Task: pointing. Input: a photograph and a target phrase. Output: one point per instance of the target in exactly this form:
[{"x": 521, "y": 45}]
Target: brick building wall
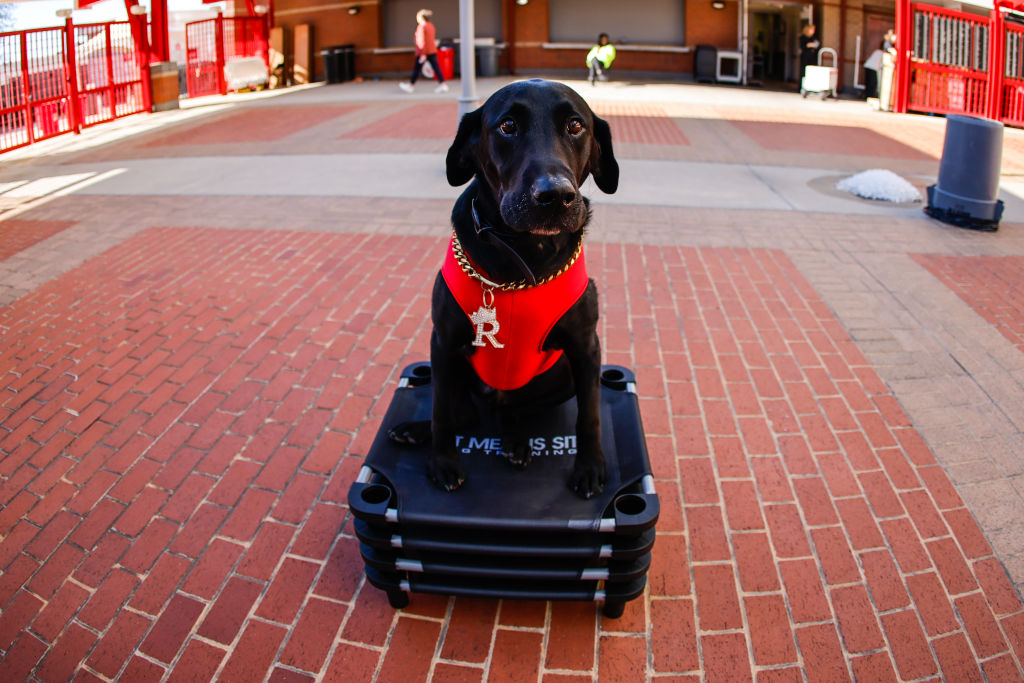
[{"x": 332, "y": 24}]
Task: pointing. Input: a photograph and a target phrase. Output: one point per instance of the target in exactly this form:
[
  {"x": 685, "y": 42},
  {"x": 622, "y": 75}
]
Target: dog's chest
[{"x": 511, "y": 326}]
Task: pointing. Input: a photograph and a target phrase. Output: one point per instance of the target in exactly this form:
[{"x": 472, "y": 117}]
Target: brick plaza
[{"x": 203, "y": 319}]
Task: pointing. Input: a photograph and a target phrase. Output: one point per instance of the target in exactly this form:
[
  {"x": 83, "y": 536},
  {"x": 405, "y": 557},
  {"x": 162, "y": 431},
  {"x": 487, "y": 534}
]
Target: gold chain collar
[{"x": 468, "y": 269}]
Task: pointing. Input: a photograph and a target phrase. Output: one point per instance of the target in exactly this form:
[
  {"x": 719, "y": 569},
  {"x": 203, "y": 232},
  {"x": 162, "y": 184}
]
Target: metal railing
[{"x": 58, "y": 80}]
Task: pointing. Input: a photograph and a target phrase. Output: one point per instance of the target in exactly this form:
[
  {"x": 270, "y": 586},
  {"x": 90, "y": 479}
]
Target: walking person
[{"x": 426, "y": 51}]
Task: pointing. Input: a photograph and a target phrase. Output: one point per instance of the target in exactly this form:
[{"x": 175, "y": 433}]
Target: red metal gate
[
  {"x": 34, "y": 100},
  {"x": 109, "y": 72},
  {"x": 1012, "y": 104},
  {"x": 212, "y": 43},
  {"x": 949, "y": 63},
  {"x": 204, "y": 41}
]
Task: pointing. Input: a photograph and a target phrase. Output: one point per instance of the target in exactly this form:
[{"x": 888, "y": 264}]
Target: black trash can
[
  {"x": 331, "y": 66},
  {"x": 968, "y": 183},
  {"x": 487, "y": 60},
  {"x": 458, "y": 60},
  {"x": 346, "y": 57},
  {"x": 705, "y": 63}
]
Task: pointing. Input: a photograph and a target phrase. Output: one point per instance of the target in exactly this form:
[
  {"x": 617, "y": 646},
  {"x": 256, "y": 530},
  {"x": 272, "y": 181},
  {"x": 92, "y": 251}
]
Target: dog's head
[{"x": 531, "y": 145}]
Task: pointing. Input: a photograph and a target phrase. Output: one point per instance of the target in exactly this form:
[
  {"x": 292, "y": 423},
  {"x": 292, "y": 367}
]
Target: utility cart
[{"x": 821, "y": 79}]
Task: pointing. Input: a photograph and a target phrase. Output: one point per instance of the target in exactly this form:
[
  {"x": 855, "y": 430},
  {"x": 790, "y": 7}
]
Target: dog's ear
[
  {"x": 460, "y": 163},
  {"x": 603, "y": 166}
]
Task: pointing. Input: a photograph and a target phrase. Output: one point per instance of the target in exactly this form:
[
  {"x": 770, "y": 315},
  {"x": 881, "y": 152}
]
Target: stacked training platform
[{"x": 509, "y": 533}]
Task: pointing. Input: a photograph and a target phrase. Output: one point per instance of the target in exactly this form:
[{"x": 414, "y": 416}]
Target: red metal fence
[
  {"x": 948, "y": 70},
  {"x": 961, "y": 63},
  {"x": 213, "y": 43},
  {"x": 1012, "y": 104},
  {"x": 56, "y": 80},
  {"x": 35, "y": 103},
  {"x": 110, "y": 82}
]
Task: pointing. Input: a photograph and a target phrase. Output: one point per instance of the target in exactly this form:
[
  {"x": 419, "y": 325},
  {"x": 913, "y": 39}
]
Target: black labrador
[{"x": 516, "y": 258}]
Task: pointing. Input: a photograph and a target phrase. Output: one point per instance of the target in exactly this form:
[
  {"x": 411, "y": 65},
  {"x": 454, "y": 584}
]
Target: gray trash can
[
  {"x": 705, "y": 64},
  {"x": 968, "y": 183},
  {"x": 487, "y": 60}
]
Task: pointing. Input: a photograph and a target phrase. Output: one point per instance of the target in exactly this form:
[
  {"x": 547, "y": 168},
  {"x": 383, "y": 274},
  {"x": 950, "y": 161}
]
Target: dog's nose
[{"x": 552, "y": 190}]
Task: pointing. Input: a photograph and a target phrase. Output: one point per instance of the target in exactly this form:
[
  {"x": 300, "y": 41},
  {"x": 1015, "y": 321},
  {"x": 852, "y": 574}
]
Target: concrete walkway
[{"x": 204, "y": 313}]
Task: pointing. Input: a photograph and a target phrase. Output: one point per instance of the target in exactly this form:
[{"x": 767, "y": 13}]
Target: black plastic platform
[{"x": 507, "y": 532}]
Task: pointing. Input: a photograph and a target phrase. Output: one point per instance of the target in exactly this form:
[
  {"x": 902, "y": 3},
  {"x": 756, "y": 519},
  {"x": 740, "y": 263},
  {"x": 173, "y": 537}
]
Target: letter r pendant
[{"x": 486, "y": 321}]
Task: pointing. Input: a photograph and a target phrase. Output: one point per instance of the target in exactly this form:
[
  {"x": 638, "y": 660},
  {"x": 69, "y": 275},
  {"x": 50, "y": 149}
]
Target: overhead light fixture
[
  {"x": 522, "y": 2},
  {"x": 137, "y": 10},
  {"x": 353, "y": 10},
  {"x": 260, "y": 9},
  {"x": 717, "y": 4}
]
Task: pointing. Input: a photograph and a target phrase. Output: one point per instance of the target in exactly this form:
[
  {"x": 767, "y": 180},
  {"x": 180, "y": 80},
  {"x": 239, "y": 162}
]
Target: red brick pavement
[
  {"x": 992, "y": 285},
  {"x": 649, "y": 130},
  {"x": 17, "y": 235},
  {"x": 259, "y": 124},
  {"x": 418, "y": 121},
  {"x": 647, "y": 125},
  {"x": 641, "y": 123},
  {"x": 183, "y": 414},
  {"x": 812, "y": 137}
]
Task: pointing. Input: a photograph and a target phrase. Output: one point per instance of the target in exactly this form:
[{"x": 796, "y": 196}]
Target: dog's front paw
[
  {"x": 587, "y": 478},
  {"x": 446, "y": 473},
  {"x": 518, "y": 455},
  {"x": 416, "y": 433}
]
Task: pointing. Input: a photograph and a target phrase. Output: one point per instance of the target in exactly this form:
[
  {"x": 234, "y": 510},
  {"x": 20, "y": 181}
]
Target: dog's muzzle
[{"x": 551, "y": 204}]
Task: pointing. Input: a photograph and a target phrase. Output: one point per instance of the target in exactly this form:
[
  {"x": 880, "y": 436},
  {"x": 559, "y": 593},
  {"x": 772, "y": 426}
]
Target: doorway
[
  {"x": 773, "y": 37},
  {"x": 876, "y": 23}
]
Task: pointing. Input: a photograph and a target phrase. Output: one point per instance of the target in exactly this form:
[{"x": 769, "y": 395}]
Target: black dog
[{"x": 515, "y": 316}]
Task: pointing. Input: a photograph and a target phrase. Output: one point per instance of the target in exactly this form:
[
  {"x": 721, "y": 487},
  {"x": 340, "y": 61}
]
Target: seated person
[{"x": 600, "y": 58}]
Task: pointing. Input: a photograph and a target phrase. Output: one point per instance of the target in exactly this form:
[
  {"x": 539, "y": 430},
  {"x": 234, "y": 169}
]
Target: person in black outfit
[{"x": 809, "y": 45}]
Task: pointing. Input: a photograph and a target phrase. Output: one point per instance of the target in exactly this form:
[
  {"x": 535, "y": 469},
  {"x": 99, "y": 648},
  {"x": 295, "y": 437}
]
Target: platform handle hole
[
  {"x": 376, "y": 494},
  {"x": 613, "y": 375},
  {"x": 613, "y": 378},
  {"x": 419, "y": 375},
  {"x": 630, "y": 504}
]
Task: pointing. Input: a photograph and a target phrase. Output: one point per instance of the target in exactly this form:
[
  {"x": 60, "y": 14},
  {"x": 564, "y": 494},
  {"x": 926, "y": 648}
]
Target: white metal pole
[
  {"x": 467, "y": 58},
  {"x": 856, "y": 67},
  {"x": 744, "y": 31}
]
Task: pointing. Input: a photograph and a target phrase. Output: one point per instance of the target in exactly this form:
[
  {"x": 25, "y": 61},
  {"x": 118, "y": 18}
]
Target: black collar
[{"x": 490, "y": 235}]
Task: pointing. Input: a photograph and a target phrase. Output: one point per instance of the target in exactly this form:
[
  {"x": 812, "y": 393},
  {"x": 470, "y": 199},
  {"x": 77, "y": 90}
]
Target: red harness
[{"x": 523, "y": 318}]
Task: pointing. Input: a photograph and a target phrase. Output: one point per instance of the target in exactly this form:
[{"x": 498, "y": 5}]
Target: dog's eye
[
  {"x": 507, "y": 127},
  {"x": 574, "y": 126}
]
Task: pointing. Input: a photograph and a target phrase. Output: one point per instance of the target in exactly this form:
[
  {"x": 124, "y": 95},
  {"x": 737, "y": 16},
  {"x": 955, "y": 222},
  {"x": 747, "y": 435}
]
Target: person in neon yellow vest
[{"x": 600, "y": 58}]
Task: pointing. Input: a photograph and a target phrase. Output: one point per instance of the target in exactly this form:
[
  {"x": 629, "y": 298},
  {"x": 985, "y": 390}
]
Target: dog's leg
[
  {"x": 588, "y": 474},
  {"x": 515, "y": 448},
  {"x": 576, "y": 334},
  {"x": 450, "y": 393}
]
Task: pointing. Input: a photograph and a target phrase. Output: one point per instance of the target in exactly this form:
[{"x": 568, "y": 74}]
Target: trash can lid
[{"x": 974, "y": 121}]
